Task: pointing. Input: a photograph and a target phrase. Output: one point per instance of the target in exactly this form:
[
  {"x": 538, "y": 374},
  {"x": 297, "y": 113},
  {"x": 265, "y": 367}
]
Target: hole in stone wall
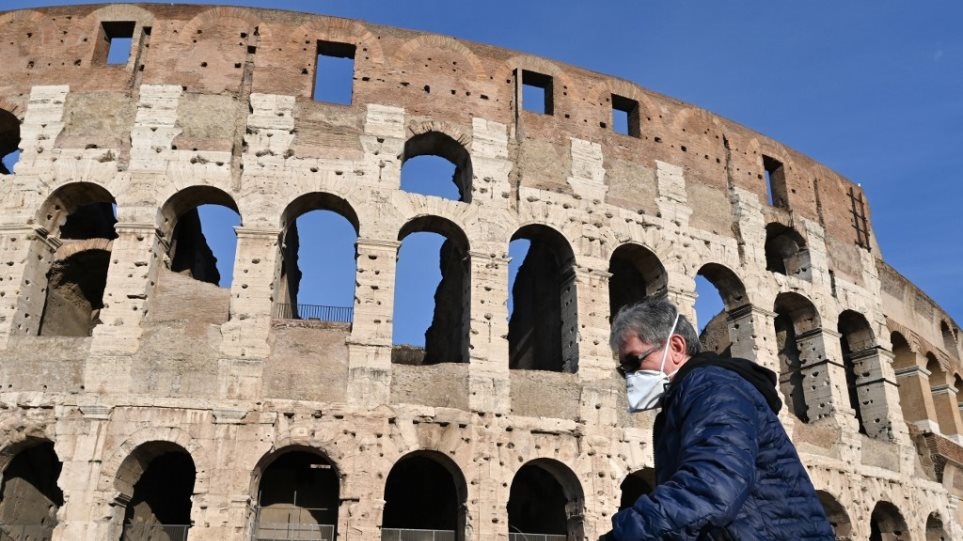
[
  {"x": 543, "y": 325},
  {"x": 887, "y": 524},
  {"x": 713, "y": 324},
  {"x": 422, "y": 493},
  {"x": 431, "y": 307},
  {"x": 721, "y": 307},
  {"x": 775, "y": 175},
  {"x": 637, "y": 274},
  {"x": 9, "y": 141},
  {"x": 545, "y": 499},
  {"x": 161, "y": 500},
  {"x": 625, "y": 116},
  {"x": 949, "y": 341},
  {"x": 436, "y": 164},
  {"x": 202, "y": 245},
  {"x": 786, "y": 251},
  {"x": 119, "y": 39},
  {"x": 333, "y": 72},
  {"x": 298, "y": 494},
  {"x": 29, "y": 496},
  {"x": 537, "y": 94}
]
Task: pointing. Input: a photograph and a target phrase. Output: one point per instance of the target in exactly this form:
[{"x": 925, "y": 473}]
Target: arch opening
[
  {"x": 721, "y": 300},
  {"x": 838, "y": 518},
  {"x": 546, "y": 500},
  {"x": 298, "y": 498},
  {"x": 425, "y": 491},
  {"x": 198, "y": 223},
  {"x": 159, "y": 505},
  {"x": 797, "y": 328},
  {"x": 29, "y": 495},
  {"x": 949, "y": 341},
  {"x": 786, "y": 251},
  {"x": 637, "y": 274},
  {"x": 9, "y": 141},
  {"x": 431, "y": 157},
  {"x": 858, "y": 345},
  {"x": 542, "y": 324},
  {"x": 934, "y": 528},
  {"x": 318, "y": 260},
  {"x": 887, "y": 524},
  {"x": 433, "y": 263}
]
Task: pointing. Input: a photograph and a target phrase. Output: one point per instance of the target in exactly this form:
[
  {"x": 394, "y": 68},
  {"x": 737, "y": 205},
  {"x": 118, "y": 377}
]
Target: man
[{"x": 725, "y": 468}]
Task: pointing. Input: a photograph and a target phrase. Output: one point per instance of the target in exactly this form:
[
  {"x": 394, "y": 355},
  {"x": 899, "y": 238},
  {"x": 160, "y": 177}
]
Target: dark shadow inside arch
[
  {"x": 414, "y": 176},
  {"x": 318, "y": 260},
  {"x": 856, "y": 341},
  {"x": 79, "y": 211},
  {"x": 637, "y": 274},
  {"x": 433, "y": 256},
  {"x": 635, "y": 485},
  {"x": 543, "y": 325},
  {"x": 934, "y": 528},
  {"x": 425, "y": 491},
  {"x": 887, "y": 523},
  {"x": 838, "y": 518},
  {"x": 198, "y": 223},
  {"x": 545, "y": 498},
  {"x": 9, "y": 141},
  {"x": 786, "y": 251},
  {"x": 75, "y": 294},
  {"x": 796, "y": 322},
  {"x": 298, "y": 497},
  {"x": 29, "y": 495},
  {"x": 160, "y": 504}
]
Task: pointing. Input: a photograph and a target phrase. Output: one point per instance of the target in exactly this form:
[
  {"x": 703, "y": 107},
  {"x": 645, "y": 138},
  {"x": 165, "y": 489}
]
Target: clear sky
[{"x": 873, "y": 90}]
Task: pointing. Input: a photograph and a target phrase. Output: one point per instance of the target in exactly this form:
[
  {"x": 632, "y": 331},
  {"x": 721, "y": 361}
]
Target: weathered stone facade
[{"x": 114, "y": 362}]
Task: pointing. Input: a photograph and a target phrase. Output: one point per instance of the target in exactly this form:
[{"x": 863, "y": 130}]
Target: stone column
[
  {"x": 824, "y": 379},
  {"x": 245, "y": 335},
  {"x": 27, "y": 254},
  {"x": 916, "y": 399},
  {"x": 600, "y": 390},
  {"x": 745, "y": 324},
  {"x": 488, "y": 375},
  {"x": 369, "y": 346},
  {"x": 879, "y": 395}
]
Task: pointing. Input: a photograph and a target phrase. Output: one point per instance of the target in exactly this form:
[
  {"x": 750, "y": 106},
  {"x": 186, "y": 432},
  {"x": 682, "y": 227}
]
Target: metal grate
[
  {"x": 403, "y": 534},
  {"x": 317, "y": 312},
  {"x": 519, "y": 536},
  {"x": 292, "y": 531}
]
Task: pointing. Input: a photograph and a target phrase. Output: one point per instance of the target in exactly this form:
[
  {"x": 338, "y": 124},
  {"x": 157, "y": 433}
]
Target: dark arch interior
[
  {"x": 435, "y": 143},
  {"x": 934, "y": 528},
  {"x": 542, "y": 329},
  {"x": 75, "y": 294},
  {"x": 80, "y": 211},
  {"x": 9, "y": 138},
  {"x": 784, "y": 249},
  {"x": 837, "y": 515},
  {"x": 422, "y": 494},
  {"x": 536, "y": 503},
  {"x": 162, "y": 496},
  {"x": 298, "y": 494},
  {"x": 29, "y": 495},
  {"x": 636, "y": 274},
  {"x": 887, "y": 524}
]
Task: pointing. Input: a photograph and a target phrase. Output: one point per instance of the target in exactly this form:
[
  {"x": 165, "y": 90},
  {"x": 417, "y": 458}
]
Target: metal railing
[
  {"x": 155, "y": 532},
  {"x": 318, "y": 312},
  {"x": 519, "y": 536},
  {"x": 293, "y": 531},
  {"x": 25, "y": 532},
  {"x": 404, "y": 534}
]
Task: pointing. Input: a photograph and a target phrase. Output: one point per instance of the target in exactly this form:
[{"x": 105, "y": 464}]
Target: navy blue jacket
[{"x": 724, "y": 465}]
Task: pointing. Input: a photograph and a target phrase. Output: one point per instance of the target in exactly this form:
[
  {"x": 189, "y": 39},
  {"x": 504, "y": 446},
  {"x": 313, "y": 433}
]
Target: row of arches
[
  {"x": 929, "y": 389},
  {"x": 297, "y": 496}
]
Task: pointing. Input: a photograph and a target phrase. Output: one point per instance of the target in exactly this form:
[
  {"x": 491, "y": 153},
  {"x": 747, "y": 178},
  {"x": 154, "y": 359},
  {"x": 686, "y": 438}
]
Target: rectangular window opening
[
  {"x": 537, "y": 93},
  {"x": 334, "y": 72},
  {"x": 625, "y": 116},
  {"x": 119, "y": 38},
  {"x": 775, "y": 174}
]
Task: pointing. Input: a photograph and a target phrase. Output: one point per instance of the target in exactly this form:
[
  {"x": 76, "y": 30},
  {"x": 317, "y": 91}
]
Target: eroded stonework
[{"x": 118, "y": 355}]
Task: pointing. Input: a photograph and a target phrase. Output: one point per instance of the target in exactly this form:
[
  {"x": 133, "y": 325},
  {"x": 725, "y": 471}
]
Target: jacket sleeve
[{"x": 716, "y": 467}]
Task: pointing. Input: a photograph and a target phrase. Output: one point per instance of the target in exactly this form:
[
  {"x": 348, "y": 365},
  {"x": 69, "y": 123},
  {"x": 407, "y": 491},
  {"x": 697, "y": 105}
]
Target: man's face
[{"x": 634, "y": 354}]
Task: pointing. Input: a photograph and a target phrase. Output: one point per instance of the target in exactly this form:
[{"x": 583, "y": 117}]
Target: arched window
[
  {"x": 720, "y": 298},
  {"x": 837, "y": 515},
  {"x": 934, "y": 528},
  {"x": 9, "y": 141},
  {"x": 797, "y": 323},
  {"x": 425, "y": 491},
  {"x": 297, "y": 497},
  {"x": 858, "y": 346},
  {"x": 435, "y": 164},
  {"x": 542, "y": 326},
  {"x": 158, "y": 478},
  {"x": 318, "y": 259},
  {"x": 635, "y": 485},
  {"x": 913, "y": 384},
  {"x": 432, "y": 293},
  {"x": 545, "y": 500},
  {"x": 29, "y": 495},
  {"x": 949, "y": 341},
  {"x": 887, "y": 524},
  {"x": 786, "y": 251},
  {"x": 198, "y": 224},
  {"x": 637, "y": 274}
]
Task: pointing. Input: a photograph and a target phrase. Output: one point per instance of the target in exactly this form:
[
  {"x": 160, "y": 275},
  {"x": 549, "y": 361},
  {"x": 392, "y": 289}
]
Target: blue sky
[{"x": 873, "y": 90}]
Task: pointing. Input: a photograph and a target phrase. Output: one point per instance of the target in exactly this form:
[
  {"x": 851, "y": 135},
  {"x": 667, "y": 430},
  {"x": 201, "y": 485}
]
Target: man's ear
[{"x": 678, "y": 347}]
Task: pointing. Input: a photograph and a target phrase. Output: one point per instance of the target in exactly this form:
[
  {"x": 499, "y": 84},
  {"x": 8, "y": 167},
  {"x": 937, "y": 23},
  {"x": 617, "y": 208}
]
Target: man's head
[{"x": 639, "y": 334}]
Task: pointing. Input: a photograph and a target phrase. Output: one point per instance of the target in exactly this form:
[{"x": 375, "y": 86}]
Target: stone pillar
[
  {"x": 947, "y": 411},
  {"x": 369, "y": 347},
  {"x": 488, "y": 375},
  {"x": 245, "y": 334},
  {"x": 26, "y": 254},
  {"x": 600, "y": 391},
  {"x": 916, "y": 399},
  {"x": 745, "y": 324},
  {"x": 879, "y": 395},
  {"x": 824, "y": 380}
]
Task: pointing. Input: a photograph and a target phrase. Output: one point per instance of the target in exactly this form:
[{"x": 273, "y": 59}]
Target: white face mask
[{"x": 644, "y": 388}]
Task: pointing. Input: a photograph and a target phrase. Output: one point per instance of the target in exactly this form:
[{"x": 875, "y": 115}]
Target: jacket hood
[{"x": 763, "y": 379}]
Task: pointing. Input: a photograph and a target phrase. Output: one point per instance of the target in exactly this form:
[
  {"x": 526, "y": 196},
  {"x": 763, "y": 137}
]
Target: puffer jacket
[{"x": 724, "y": 465}]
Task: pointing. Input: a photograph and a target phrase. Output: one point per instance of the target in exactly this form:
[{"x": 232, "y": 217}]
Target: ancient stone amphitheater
[{"x": 139, "y": 401}]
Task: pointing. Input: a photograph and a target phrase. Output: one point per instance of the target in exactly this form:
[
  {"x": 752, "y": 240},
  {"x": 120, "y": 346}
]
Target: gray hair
[{"x": 651, "y": 320}]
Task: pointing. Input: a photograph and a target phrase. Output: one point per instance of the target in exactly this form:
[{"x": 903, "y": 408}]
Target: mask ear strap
[{"x": 665, "y": 352}]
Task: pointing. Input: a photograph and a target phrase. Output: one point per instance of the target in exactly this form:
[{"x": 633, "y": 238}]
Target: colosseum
[{"x": 140, "y": 400}]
